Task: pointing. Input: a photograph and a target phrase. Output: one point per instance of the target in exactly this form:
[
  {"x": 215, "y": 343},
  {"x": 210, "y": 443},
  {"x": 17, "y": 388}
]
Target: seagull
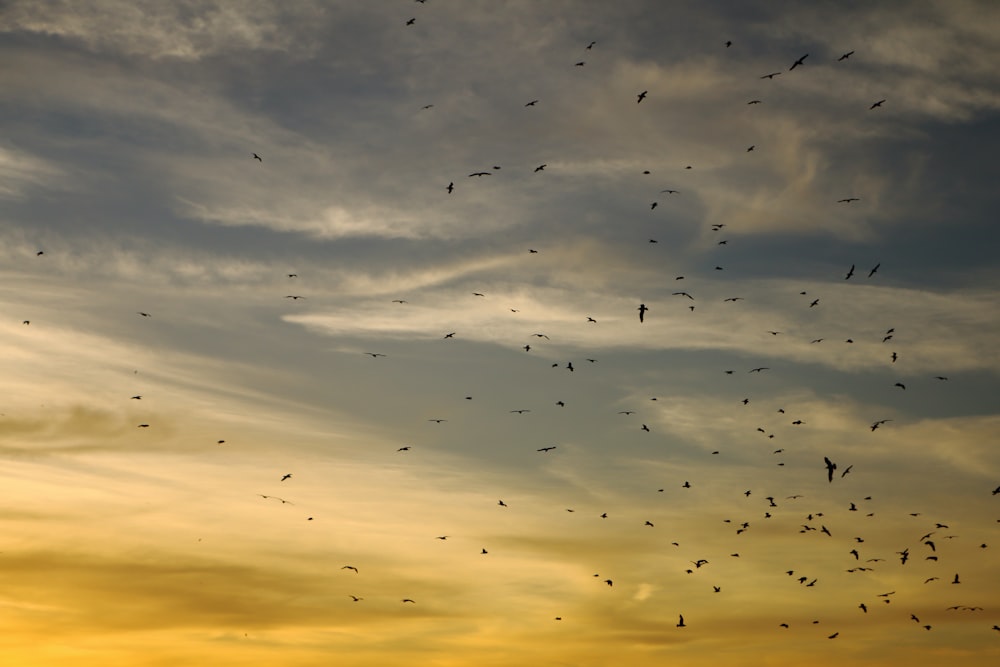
[
  {"x": 451, "y": 187},
  {"x": 480, "y": 173},
  {"x": 845, "y": 56},
  {"x": 437, "y": 421},
  {"x": 798, "y": 62},
  {"x": 642, "y": 311},
  {"x": 411, "y": 21},
  {"x": 874, "y": 269},
  {"x": 350, "y": 567},
  {"x": 540, "y": 167},
  {"x": 641, "y": 96},
  {"x": 830, "y": 467},
  {"x": 355, "y": 598},
  {"x": 848, "y": 200},
  {"x": 849, "y": 273},
  {"x": 293, "y": 297},
  {"x": 546, "y": 449},
  {"x": 531, "y": 103},
  {"x": 591, "y": 45},
  {"x": 287, "y": 475},
  {"x": 753, "y": 102},
  {"x": 680, "y": 623},
  {"x": 404, "y": 449},
  {"x": 877, "y": 104},
  {"x": 771, "y": 75},
  {"x": 255, "y": 157}
]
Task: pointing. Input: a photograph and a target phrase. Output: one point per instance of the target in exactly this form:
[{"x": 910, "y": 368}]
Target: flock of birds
[{"x": 924, "y": 548}]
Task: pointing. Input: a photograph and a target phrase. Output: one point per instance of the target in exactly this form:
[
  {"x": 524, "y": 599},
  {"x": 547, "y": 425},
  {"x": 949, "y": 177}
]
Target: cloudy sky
[{"x": 192, "y": 458}]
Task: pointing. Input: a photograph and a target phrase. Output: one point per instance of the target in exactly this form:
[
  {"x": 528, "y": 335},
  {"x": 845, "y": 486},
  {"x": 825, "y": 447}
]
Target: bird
[
  {"x": 751, "y": 148},
  {"x": 641, "y": 96},
  {"x": 850, "y": 273},
  {"x": 815, "y": 302},
  {"x": 287, "y": 475},
  {"x": 876, "y": 105},
  {"x": 480, "y": 173},
  {"x": 350, "y": 567},
  {"x": 830, "y": 467},
  {"x": 531, "y": 103},
  {"x": 845, "y": 56},
  {"x": 405, "y": 448},
  {"x": 294, "y": 297},
  {"x": 874, "y": 269},
  {"x": 450, "y": 335},
  {"x": 900, "y": 385},
  {"x": 848, "y": 200},
  {"x": 437, "y": 421},
  {"x": 798, "y": 62},
  {"x": 355, "y": 598},
  {"x": 642, "y": 311},
  {"x": 137, "y": 397},
  {"x": 451, "y": 187},
  {"x": 753, "y": 102},
  {"x": 540, "y": 167},
  {"x": 408, "y": 600},
  {"x": 680, "y": 623},
  {"x": 501, "y": 503},
  {"x": 411, "y": 21},
  {"x": 771, "y": 75},
  {"x": 590, "y": 46},
  {"x": 143, "y": 314},
  {"x": 546, "y": 449},
  {"x": 255, "y": 157}
]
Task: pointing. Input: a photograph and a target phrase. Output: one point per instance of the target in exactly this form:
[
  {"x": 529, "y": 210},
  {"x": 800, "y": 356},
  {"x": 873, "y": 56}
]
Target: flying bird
[
  {"x": 771, "y": 75},
  {"x": 641, "y": 96},
  {"x": 255, "y": 157},
  {"x": 287, "y": 475},
  {"x": 845, "y": 56},
  {"x": 874, "y": 269},
  {"x": 642, "y": 311},
  {"x": 850, "y": 273},
  {"x": 876, "y": 105},
  {"x": 830, "y": 467},
  {"x": 798, "y": 62}
]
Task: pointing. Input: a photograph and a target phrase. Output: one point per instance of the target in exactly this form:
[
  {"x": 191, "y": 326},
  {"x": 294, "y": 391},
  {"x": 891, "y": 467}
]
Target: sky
[{"x": 703, "y": 370}]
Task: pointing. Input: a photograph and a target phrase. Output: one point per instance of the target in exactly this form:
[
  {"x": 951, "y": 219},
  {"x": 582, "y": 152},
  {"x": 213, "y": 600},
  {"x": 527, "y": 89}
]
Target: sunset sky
[{"x": 194, "y": 461}]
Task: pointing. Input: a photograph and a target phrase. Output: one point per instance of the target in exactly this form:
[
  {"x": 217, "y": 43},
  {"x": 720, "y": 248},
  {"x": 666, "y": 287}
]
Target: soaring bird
[
  {"x": 641, "y": 96},
  {"x": 540, "y": 167},
  {"x": 845, "y": 56},
  {"x": 451, "y": 187},
  {"x": 848, "y": 200},
  {"x": 849, "y": 273},
  {"x": 531, "y": 103},
  {"x": 257, "y": 157},
  {"x": 874, "y": 269},
  {"x": 350, "y": 567},
  {"x": 830, "y": 467},
  {"x": 798, "y": 62},
  {"x": 680, "y": 623},
  {"x": 287, "y": 475},
  {"x": 877, "y": 104},
  {"x": 546, "y": 449},
  {"x": 642, "y": 311},
  {"x": 771, "y": 75}
]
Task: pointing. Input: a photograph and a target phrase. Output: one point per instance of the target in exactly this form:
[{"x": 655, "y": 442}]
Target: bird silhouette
[{"x": 798, "y": 62}]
